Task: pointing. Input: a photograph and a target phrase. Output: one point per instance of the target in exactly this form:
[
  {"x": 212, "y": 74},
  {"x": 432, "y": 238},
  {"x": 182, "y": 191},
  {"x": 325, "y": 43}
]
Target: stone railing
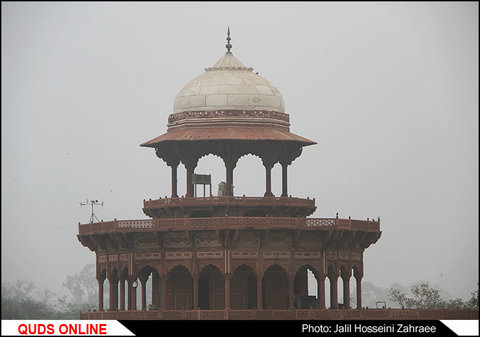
[
  {"x": 229, "y": 201},
  {"x": 297, "y": 314},
  {"x": 230, "y": 222}
]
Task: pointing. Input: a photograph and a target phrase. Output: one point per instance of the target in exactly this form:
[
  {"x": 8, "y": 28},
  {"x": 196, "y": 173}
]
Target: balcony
[
  {"x": 228, "y": 205},
  {"x": 230, "y": 222}
]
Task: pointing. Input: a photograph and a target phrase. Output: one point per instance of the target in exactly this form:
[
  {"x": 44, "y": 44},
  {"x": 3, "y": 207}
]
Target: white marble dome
[{"x": 229, "y": 85}]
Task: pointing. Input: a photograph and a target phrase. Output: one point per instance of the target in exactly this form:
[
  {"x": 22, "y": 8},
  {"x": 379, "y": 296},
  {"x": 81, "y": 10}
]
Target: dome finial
[{"x": 228, "y": 45}]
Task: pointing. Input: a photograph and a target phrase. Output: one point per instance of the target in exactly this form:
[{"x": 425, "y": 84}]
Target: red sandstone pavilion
[{"x": 228, "y": 257}]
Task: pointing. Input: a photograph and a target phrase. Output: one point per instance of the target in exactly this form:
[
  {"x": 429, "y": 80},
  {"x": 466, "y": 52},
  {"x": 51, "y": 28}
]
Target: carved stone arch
[
  {"x": 302, "y": 300},
  {"x": 167, "y": 154},
  {"x": 145, "y": 268},
  {"x": 314, "y": 269},
  {"x": 275, "y": 265},
  {"x": 172, "y": 266},
  {"x": 333, "y": 269},
  {"x": 252, "y": 153},
  {"x": 275, "y": 287},
  {"x": 218, "y": 265},
  {"x": 208, "y": 153},
  {"x": 249, "y": 264},
  {"x": 357, "y": 269},
  {"x": 113, "y": 273},
  {"x": 124, "y": 273},
  {"x": 102, "y": 273},
  {"x": 289, "y": 153},
  {"x": 285, "y": 265},
  {"x": 179, "y": 288},
  {"x": 345, "y": 269},
  {"x": 244, "y": 287},
  {"x": 211, "y": 287}
]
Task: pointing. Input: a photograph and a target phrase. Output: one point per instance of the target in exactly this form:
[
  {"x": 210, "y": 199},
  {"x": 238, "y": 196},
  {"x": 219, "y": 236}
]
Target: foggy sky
[{"x": 389, "y": 91}]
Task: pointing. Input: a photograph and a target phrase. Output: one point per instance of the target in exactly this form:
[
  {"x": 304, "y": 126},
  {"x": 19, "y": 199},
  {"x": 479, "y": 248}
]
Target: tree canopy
[
  {"x": 21, "y": 300},
  {"x": 425, "y": 296}
]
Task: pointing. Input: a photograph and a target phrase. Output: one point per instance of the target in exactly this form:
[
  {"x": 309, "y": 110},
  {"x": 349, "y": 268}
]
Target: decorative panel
[
  {"x": 177, "y": 240},
  {"x": 178, "y": 255},
  {"x": 207, "y": 239}
]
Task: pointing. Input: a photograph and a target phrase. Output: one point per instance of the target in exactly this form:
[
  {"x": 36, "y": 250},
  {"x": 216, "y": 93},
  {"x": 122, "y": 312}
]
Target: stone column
[
  {"x": 133, "y": 294},
  {"x": 321, "y": 291},
  {"x": 115, "y": 293},
  {"x": 143, "y": 282},
  {"x": 230, "y": 164},
  {"x": 122, "y": 294},
  {"x": 259, "y": 293},
  {"x": 289, "y": 155},
  {"x": 333, "y": 291},
  {"x": 100, "y": 293},
  {"x": 229, "y": 178},
  {"x": 174, "y": 167},
  {"x": 359, "y": 291},
  {"x": 190, "y": 171},
  {"x": 195, "y": 291},
  {"x": 346, "y": 291},
  {"x": 284, "y": 180},
  {"x": 291, "y": 304},
  {"x": 164, "y": 292},
  {"x": 346, "y": 274},
  {"x": 111, "y": 302},
  {"x": 129, "y": 294},
  {"x": 268, "y": 178},
  {"x": 227, "y": 291},
  {"x": 155, "y": 292}
]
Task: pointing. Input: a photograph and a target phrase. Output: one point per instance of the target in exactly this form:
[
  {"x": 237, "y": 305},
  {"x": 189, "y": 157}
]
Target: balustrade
[{"x": 229, "y": 222}]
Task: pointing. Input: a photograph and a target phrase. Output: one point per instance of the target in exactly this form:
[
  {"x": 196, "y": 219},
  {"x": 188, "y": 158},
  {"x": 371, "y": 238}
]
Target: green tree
[
  {"x": 424, "y": 296},
  {"x": 81, "y": 292},
  {"x": 472, "y": 303},
  {"x": 20, "y": 302}
]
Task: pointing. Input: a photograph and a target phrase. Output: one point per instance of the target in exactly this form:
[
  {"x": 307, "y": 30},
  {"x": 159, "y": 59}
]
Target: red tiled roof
[{"x": 228, "y": 133}]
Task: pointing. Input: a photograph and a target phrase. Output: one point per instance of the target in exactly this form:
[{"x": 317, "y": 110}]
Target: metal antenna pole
[{"x": 92, "y": 203}]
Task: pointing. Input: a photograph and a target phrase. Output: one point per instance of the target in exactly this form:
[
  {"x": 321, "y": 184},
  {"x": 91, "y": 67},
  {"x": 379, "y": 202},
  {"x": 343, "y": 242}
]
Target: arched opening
[
  {"x": 179, "y": 289},
  {"x": 312, "y": 283},
  {"x": 215, "y": 166},
  {"x": 340, "y": 294},
  {"x": 211, "y": 289},
  {"x": 249, "y": 176},
  {"x": 353, "y": 293},
  {"x": 181, "y": 183},
  {"x": 327, "y": 292},
  {"x": 357, "y": 279},
  {"x": 243, "y": 288},
  {"x": 305, "y": 288},
  {"x": 150, "y": 288},
  {"x": 277, "y": 180},
  {"x": 275, "y": 288}
]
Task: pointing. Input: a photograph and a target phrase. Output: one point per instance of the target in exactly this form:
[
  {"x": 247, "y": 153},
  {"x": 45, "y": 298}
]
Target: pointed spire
[{"x": 228, "y": 45}]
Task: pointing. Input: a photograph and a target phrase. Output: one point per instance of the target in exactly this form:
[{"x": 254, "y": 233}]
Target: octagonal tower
[{"x": 227, "y": 255}]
